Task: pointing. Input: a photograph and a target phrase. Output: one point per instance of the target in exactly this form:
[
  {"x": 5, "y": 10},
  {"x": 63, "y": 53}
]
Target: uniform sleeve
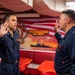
[
  {"x": 0, "y": 40},
  {"x": 58, "y": 37},
  {"x": 72, "y": 53}
]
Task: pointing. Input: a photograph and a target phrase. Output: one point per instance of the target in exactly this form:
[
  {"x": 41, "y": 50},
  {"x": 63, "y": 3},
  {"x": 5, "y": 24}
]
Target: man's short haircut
[
  {"x": 70, "y": 13},
  {"x": 6, "y": 17}
]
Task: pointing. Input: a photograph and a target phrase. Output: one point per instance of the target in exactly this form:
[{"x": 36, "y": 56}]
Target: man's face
[
  {"x": 62, "y": 21},
  {"x": 12, "y": 22}
]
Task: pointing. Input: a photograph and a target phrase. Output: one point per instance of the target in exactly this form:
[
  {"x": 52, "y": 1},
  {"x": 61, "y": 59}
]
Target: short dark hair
[
  {"x": 7, "y": 17},
  {"x": 70, "y": 13}
]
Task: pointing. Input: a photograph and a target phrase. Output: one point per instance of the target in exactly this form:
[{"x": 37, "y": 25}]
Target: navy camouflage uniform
[
  {"x": 9, "y": 53},
  {"x": 65, "y": 53}
]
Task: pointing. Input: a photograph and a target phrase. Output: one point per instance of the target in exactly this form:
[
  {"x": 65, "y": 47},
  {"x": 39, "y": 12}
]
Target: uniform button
[{"x": 63, "y": 62}]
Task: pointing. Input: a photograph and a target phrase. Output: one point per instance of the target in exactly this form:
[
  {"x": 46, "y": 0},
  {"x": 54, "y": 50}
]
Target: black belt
[{"x": 15, "y": 62}]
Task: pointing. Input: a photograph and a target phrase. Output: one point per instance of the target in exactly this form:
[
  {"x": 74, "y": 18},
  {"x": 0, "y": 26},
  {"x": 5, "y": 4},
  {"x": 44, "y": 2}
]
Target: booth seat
[
  {"x": 24, "y": 62},
  {"x": 30, "y": 71},
  {"x": 37, "y": 58},
  {"x": 46, "y": 68}
]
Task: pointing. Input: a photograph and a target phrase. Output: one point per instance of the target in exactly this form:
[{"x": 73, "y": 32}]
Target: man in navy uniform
[
  {"x": 65, "y": 53},
  {"x": 9, "y": 46}
]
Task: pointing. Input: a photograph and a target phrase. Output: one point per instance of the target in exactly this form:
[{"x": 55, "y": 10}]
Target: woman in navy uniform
[
  {"x": 65, "y": 53},
  {"x": 9, "y": 46}
]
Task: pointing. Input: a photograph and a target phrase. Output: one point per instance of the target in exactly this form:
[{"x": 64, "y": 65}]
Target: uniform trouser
[{"x": 9, "y": 69}]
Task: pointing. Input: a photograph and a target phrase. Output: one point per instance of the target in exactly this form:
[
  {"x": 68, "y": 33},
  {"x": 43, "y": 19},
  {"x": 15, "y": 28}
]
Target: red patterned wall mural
[{"x": 40, "y": 34}]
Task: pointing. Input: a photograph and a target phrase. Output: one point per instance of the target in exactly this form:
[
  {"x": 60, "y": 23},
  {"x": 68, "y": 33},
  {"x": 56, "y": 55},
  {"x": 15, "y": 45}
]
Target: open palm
[
  {"x": 56, "y": 26},
  {"x": 4, "y": 29}
]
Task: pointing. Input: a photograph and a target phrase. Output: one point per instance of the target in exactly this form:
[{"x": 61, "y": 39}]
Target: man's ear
[
  {"x": 67, "y": 20},
  {"x": 6, "y": 21}
]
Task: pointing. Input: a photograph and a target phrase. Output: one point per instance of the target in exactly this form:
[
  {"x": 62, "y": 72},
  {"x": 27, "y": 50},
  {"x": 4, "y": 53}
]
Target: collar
[{"x": 70, "y": 31}]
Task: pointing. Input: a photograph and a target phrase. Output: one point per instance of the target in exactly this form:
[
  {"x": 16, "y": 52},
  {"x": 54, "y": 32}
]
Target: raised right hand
[
  {"x": 56, "y": 27},
  {"x": 3, "y": 29}
]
